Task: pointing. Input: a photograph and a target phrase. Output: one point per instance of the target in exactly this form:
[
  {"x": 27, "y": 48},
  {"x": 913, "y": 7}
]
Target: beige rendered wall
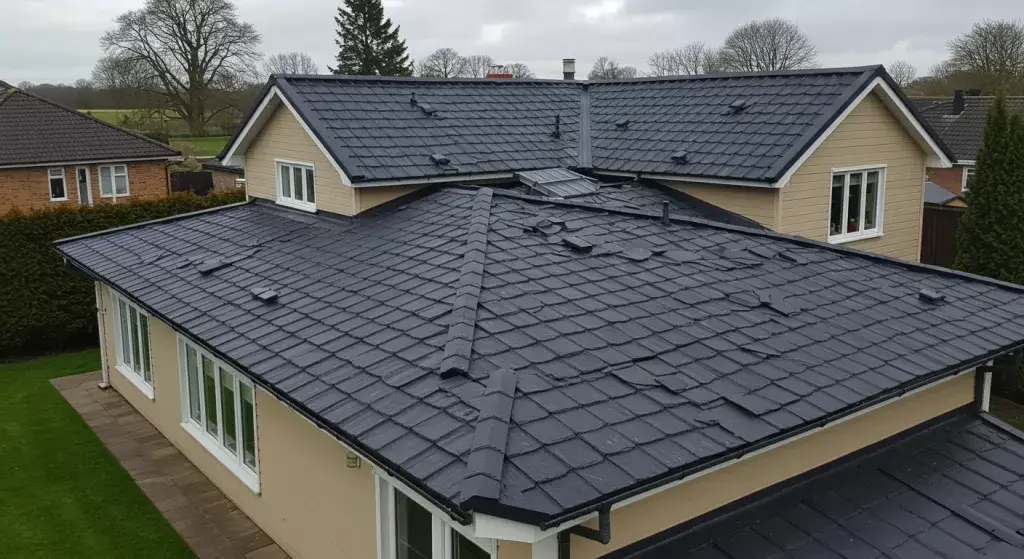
[
  {"x": 759, "y": 204},
  {"x": 869, "y": 135},
  {"x": 371, "y": 197},
  {"x": 704, "y": 494},
  {"x": 284, "y": 138},
  {"x": 310, "y": 502}
]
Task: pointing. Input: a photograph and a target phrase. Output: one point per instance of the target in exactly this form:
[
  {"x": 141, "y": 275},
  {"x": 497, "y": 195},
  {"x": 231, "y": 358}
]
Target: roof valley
[
  {"x": 584, "y": 153},
  {"x": 463, "y": 322}
]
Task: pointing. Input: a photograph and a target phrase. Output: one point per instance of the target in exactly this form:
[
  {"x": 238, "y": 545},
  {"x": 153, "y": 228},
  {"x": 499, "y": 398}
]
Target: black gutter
[{"x": 437, "y": 500}]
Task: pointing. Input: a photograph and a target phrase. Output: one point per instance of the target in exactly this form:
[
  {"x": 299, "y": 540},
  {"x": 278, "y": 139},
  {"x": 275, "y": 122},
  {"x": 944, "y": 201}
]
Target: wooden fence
[{"x": 938, "y": 235}]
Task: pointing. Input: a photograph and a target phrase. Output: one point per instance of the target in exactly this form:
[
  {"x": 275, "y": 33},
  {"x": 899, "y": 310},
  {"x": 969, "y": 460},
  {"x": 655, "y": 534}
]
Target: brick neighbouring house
[{"x": 52, "y": 155}]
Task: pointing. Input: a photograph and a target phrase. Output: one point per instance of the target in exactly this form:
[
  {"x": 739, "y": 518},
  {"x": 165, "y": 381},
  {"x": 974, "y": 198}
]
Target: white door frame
[{"x": 88, "y": 182}]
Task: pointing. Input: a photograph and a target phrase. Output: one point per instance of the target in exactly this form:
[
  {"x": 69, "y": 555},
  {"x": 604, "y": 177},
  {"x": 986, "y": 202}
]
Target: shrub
[{"x": 44, "y": 308}]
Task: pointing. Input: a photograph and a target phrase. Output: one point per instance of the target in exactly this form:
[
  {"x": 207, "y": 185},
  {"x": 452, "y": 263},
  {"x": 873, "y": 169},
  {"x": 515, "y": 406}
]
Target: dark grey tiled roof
[
  {"x": 638, "y": 349},
  {"x": 956, "y": 490},
  {"x": 747, "y": 126},
  {"x": 35, "y": 130},
  {"x": 962, "y": 133},
  {"x": 935, "y": 194}
]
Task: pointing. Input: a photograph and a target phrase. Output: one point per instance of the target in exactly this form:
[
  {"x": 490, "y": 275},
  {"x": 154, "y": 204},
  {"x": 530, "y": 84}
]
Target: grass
[
  {"x": 1009, "y": 411},
  {"x": 205, "y": 146},
  {"x": 62, "y": 494}
]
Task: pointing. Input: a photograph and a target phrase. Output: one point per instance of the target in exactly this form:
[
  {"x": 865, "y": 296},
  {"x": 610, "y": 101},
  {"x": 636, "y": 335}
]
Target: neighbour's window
[
  {"x": 296, "y": 185},
  {"x": 113, "y": 181},
  {"x": 420, "y": 534},
  {"x": 219, "y": 409},
  {"x": 856, "y": 206},
  {"x": 133, "y": 357},
  {"x": 58, "y": 188},
  {"x": 968, "y": 178}
]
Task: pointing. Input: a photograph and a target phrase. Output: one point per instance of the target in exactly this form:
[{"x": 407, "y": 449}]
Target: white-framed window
[
  {"x": 857, "y": 203},
  {"x": 968, "y": 177},
  {"x": 131, "y": 325},
  {"x": 296, "y": 184},
  {"x": 113, "y": 181},
  {"x": 58, "y": 186},
  {"x": 219, "y": 410},
  {"x": 410, "y": 528}
]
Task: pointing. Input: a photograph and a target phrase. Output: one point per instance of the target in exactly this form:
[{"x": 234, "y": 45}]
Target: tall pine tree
[
  {"x": 990, "y": 239},
  {"x": 368, "y": 46}
]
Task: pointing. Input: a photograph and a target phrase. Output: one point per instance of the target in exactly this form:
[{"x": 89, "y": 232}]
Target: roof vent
[
  {"x": 428, "y": 109},
  {"x": 412, "y": 98},
  {"x": 738, "y": 105},
  {"x": 622, "y": 123},
  {"x": 439, "y": 159},
  {"x": 931, "y": 296},
  {"x": 679, "y": 157},
  {"x": 577, "y": 244},
  {"x": 265, "y": 294},
  {"x": 211, "y": 265}
]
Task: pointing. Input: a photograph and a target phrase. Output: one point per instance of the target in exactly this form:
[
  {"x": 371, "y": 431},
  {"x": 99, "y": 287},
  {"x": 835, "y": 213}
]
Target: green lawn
[
  {"x": 62, "y": 494},
  {"x": 206, "y": 146},
  {"x": 1008, "y": 411}
]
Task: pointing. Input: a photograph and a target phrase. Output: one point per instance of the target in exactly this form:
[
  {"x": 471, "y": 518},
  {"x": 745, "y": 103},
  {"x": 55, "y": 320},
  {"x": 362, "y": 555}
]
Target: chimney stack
[
  {"x": 569, "y": 68},
  {"x": 958, "y": 102}
]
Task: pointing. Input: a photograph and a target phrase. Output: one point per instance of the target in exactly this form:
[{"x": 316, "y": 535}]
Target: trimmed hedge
[{"x": 44, "y": 308}]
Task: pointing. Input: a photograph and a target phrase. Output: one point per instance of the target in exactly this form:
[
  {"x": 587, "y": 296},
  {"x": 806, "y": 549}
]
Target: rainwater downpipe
[{"x": 101, "y": 314}]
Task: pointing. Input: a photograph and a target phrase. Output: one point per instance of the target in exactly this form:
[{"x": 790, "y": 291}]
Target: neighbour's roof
[
  {"x": 527, "y": 357},
  {"x": 963, "y": 132},
  {"x": 954, "y": 490},
  {"x": 935, "y": 194},
  {"x": 741, "y": 126},
  {"x": 35, "y": 130}
]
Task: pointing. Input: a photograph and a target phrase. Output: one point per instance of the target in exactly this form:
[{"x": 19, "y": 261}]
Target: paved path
[{"x": 210, "y": 523}]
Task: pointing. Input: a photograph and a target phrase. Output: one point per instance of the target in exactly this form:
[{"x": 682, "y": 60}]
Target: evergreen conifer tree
[{"x": 368, "y": 43}]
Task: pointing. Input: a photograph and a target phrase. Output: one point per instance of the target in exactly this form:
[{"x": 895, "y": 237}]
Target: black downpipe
[
  {"x": 564, "y": 545},
  {"x": 603, "y": 534}
]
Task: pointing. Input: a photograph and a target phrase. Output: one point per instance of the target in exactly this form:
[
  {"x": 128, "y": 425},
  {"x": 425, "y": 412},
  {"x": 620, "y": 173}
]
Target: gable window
[
  {"x": 219, "y": 410},
  {"x": 58, "y": 188},
  {"x": 296, "y": 185},
  {"x": 968, "y": 177},
  {"x": 857, "y": 201},
  {"x": 409, "y": 529},
  {"x": 113, "y": 181},
  {"x": 132, "y": 339}
]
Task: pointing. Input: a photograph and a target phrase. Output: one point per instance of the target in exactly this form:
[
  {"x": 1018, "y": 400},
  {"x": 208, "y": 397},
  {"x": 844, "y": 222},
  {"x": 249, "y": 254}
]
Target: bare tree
[
  {"x": 607, "y": 69},
  {"x": 993, "y": 48},
  {"x": 25, "y": 84},
  {"x": 477, "y": 65},
  {"x": 902, "y": 72},
  {"x": 192, "y": 53},
  {"x": 942, "y": 70},
  {"x": 768, "y": 45},
  {"x": 519, "y": 70},
  {"x": 694, "y": 58},
  {"x": 442, "y": 63},
  {"x": 290, "y": 63}
]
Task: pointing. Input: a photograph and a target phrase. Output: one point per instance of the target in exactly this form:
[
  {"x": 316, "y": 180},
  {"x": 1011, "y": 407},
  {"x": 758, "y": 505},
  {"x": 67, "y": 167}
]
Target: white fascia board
[
  {"x": 935, "y": 156},
  {"x": 686, "y": 178},
  {"x": 966, "y": 162},
  {"x": 487, "y": 526},
  {"x": 435, "y": 180}
]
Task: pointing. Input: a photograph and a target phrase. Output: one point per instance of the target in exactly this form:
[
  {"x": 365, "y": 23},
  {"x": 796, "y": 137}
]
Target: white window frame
[
  {"x": 968, "y": 171},
  {"x": 133, "y": 372},
  {"x": 443, "y": 530},
  {"x": 879, "y": 209},
  {"x": 235, "y": 463},
  {"x": 292, "y": 201},
  {"x": 63, "y": 179},
  {"x": 113, "y": 181}
]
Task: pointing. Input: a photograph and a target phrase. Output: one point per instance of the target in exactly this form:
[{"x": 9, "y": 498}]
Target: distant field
[
  {"x": 113, "y": 116},
  {"x": 207, "y": 146}
]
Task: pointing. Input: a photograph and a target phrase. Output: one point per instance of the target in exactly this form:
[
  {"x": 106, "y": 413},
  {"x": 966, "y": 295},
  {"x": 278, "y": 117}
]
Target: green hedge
[{"x": 44, "y": 308}]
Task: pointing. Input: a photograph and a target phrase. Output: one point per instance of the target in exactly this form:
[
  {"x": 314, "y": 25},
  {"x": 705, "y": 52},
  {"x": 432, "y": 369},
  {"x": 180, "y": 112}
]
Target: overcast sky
[{"x": 57, "y": 40}]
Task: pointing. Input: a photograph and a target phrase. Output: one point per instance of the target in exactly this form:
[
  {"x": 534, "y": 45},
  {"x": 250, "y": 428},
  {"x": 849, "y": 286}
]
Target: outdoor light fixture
[{"x": 352, "y": 460}]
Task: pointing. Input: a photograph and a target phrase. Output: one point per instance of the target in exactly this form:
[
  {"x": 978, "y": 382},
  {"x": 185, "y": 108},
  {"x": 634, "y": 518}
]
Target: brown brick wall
[
  {"x": 29, "y": 188},
  {"x": 951, "y": 179},
  {"x": 224, "y": 181}
]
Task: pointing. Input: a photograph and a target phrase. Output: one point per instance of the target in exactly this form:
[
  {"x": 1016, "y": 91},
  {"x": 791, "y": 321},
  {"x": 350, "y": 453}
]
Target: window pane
[
  {"x": 121, "y": 184},
  {"x": 413, "y": 527},
  {"x": 853, "y": 224},
  {"x": 310, "y": 195},
  {"x": 136, "y": 359},
  {"x": 835, "y": 226},
  {"x": 210, "y": 395},
  {"x": 297, "y": 175},
  {"x": 286, "y": 182},
  {"x": 192, "y": 369},
  {"x": 462, "y": 548},
  {"x": 57, "y": 184},
  {"x": 248, "y": 425},
  {"x": 106, "y": 182},
  {"x": 968, "y": 178},
  {"x": 147, "y": 371},
  {"x": 227, "y": 416},
  {"x": 126, "y": 345},
  {"x": 871, "y": 201}
]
